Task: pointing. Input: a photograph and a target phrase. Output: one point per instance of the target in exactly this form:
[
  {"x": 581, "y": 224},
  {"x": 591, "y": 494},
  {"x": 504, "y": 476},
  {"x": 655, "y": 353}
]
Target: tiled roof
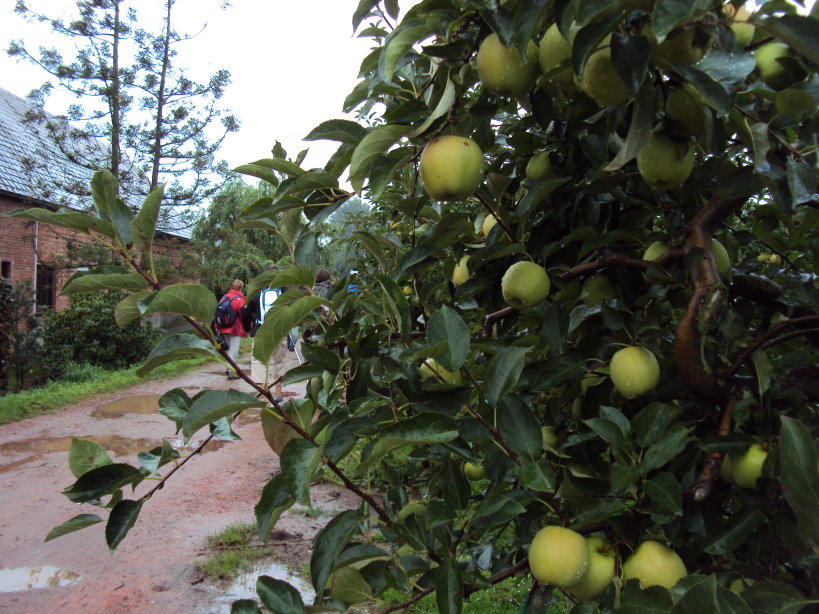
[{"x": 32, "y": 165}]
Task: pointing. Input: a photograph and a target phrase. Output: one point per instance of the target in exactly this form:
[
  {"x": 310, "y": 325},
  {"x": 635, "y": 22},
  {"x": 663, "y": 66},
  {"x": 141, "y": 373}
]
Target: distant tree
[{"x": 156, "y": 124}]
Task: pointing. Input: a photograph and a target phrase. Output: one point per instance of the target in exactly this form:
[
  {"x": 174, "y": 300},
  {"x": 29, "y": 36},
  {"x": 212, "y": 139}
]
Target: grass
[
  {"x": 57, "y": 394},
  {"x": 234, "y": 552}
]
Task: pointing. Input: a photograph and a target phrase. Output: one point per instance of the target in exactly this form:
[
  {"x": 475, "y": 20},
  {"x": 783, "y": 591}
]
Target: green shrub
[
  {"x": 86, "y": 333},
  {"x": 19, "y": 346}
]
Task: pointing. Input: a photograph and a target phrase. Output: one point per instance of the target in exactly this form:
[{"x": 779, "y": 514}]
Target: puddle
[
  {"x": 244, "y": 586},
  {"x": 27, "y": 578},
  {"x": 138, "y": 404}
]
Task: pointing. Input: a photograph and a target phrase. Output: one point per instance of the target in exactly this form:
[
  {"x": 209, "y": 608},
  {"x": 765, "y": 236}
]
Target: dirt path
[{"x": 152, "y": 571}]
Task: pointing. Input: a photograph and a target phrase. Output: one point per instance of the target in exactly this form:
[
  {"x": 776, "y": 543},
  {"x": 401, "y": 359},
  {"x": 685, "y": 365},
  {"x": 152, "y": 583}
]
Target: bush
[
  {"x": 19, "y": 347},
  {"x": 85, "y": 333}
]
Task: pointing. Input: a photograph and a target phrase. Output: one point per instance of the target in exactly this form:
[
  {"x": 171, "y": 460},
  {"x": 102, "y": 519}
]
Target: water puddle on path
[
  {"x": 244, "y": 586},
  {"x": 27, "y": 578},
  {"x": 138, "y": 404}
]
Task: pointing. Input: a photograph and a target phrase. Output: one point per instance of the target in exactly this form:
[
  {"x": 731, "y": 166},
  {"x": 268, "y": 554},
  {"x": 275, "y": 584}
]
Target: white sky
[{"x": 292, "y": 64}]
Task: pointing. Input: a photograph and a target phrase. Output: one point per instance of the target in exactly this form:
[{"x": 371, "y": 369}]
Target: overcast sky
[{"x": 292, "y": 62}]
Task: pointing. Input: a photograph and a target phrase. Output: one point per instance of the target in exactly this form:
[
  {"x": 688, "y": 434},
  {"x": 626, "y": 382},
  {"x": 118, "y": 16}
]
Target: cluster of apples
[{"x": 585, "y": 566}]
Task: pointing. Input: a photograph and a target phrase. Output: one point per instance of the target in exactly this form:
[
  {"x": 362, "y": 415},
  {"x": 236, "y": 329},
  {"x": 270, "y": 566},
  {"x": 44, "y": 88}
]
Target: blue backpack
[{"x": 224, "y": 315}]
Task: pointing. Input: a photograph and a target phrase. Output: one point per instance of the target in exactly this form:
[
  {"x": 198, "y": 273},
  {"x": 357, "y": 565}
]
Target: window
[
  {"x": 5, "y": 269},
  {"x": 45, "y": 285}
]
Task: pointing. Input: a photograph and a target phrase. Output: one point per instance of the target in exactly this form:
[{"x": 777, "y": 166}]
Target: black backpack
[{"x": 224, "y": 316}]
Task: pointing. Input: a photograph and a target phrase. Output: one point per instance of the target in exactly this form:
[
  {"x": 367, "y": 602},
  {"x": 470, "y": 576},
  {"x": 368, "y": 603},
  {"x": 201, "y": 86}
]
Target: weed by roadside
[{"x": 234, "y": 552}]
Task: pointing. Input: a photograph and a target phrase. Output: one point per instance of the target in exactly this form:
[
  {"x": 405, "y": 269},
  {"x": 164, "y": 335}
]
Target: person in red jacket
[{"x": 234, "y": 333}]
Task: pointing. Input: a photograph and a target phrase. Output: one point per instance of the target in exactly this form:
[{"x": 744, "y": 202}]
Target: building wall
[{"x": 24, "y": 244}]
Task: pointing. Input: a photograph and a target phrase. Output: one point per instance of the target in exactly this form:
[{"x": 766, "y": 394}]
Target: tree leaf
[
  {"x": 278, "y": 596},
  {"x": 764, "y": 370},
  {"x": 85, "y": 455},
  {"x": 156, "y": 458},
  {"x": 329, "y": 544},
  {"x": 245, "y": 606},
  {"x": 96, "y": 283},
  {"x": 670, "y": 444},
  {"x": 734, "y": 532},
  {"x": 376, "y": 143},
  {"x": 176, "y": 347},
  {"x": 212, "y": 405},
  {"x": 299, "y": 462},
  {"x": 144, "y": 225},
  {"x": 503, "y": 372},
  {"x": 447, "y": 326},
  {"x": 664, "y": 489},
  {"x": 342, "y": 130},
  {"x": 799, "y": 476},
  {"x": 709, "y": 596},
  {"x": 122, "y": 518},
  {"x": 495, "y": 510},
  {"x": 102, "y": 481},
  {"x": 279, "y": 322},
  {"x": 653, "y": 600},
  {"x": 78, "y": 522},
  {"x": 132, "y": 307},
  {"x": 186, "y": 300},
  {"x": 642, "y": 120},
  {"x": 104, "y": 188},
  {"x": 291, "y": 276},
  {"x": 801, "y": 181},
  {"x": 445, "y": 103},
  {"x": 519, "y": 427},
  {"x": 449, "y": 587},
  {"x": 775, "y": 598},
  {"x": 796, "y": 31},
  {"x": 81, "y": 222},
  {"x": 275, "y": 500},
  {"x": 398, "y": 43}
]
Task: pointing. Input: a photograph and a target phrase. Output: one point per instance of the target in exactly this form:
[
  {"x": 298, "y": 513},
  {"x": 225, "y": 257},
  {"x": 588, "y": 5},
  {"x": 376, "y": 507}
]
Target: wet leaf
[
  {"x": 156, "y": 458},
  {"x": 186, "y": 300},
  {"x": 342, "y": 130},
  {"x": 446, "y": 326},
  {"x": 709, "y": 596},
  {"x": 122, "y": 518},
  {"x": 775, "y": 598},
  {"x": 177, "y": 346},
  {"x": 503, "y": 372},
  {"x": 85, "y": 455},
  {"x": 102, "y": 481},
  {"x": 245, "y": 606},
  {"x": 449, "y": 589},
  {"x": 376, "y": 143},
  {"x": 299, "y": 461},
  {"x": 279, "y": 322},
  {"x": 143, "y": 226},
  {"x": 664, "y": 489},
  {"x": 519, "y": 427},
  {"x": 653, "y": 600},
  {"x": 75, "y": 524},
  {"x": 278, "y": 596},
  {"x": 97, "y": 283},
  {"x": 800, "y": 476},
  {"x": 275, "y": 500},
  {"x": 735, "y": 532},
  {"x": 329, "y": 544},
  {"x": 213, "y": 405}
]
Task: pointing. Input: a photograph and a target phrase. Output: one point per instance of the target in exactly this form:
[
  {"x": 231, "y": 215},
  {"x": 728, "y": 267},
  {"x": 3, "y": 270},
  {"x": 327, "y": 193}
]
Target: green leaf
[
  {"x": 144, "y": 225},
  {"x": 156, "y": 458},
  {"x": 372, "y": 245},
  {"x": 503, "y": 372},
  {"x": 665, "y": 490},
  {"x": 81, "y": 222},
  {"x": 322, "y": 357},
  {"x": 519, "y": 427},
  {"x": 764, "y": 370},
  {"x": 424, "y": 429},
  {"x": 97, "y": 283},
  {"x": 85, "y": 455},
  {"x": 668, "y": 14},
  {"x": 299, "y": 462},
  {"x": 291, "y": 276},
  {"x": 186, "y": 300},
  {"x": 245, "y": 606},
  {"x": 609, "y": 431},
  {"x": 538, "y": 475},
  {"x": 75, "y": 524},
  {"x": 102, "y": 481},
  {"x": 329, "y": 544},
  {"x": 212, "y": 405},
  {"x": 278, "y": 596},
  {"x": 709, "y": 596},
  {"x": 122, "y": 217},
  {"x": 176, "y": 347},
  {"x": 445, "y": 103},
  {"x": 449, "y": 587},
  {"x": 132, "y": 307},
  {"x": 342, "y": 130},
  {"x": 104, "y": 188},
  {"x": 735, "y": 532},
  {"x": 800, "y": 476},
  {"x": 670, "y": 444},
  {"x": 275, "y": 500},
  {"x": 398, "y": 43},
  {"x": 122, "y": 518},
  {"x": 495, "y": 510},
  {"x": 775, "y": 598},
  {"x": 653, "y": 600},
  {"x": 376, "y": 143},
  {"x": 279, "y": 322},
  {"x": 412, "y": 259},
  {"x": 447, "y": 326},
  {"x": 801, "y": 181},
  {"x": 639, "y": 129}
]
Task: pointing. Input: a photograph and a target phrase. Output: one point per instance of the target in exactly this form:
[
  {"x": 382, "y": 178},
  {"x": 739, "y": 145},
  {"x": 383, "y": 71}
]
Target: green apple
[
  {"x": 549, "y": 436},
  {"x": 601, "y": 81},
  {"x": 488, "y": 223},
  {"x": 726, "y": 469},
  {"x": 314, "y": 387},
  {"x": 525, "y": 284},
  {"x": 430, "y": 368},
  {"x": 683, "y": 48},
  {"x": 634, "y": 371},
  {"x": 721, "y": 258},
  {"x": 597, "y": 289},
  {"x": 553, "y": 51},
  {"x": 654, "y": 564},
  {"x": 473, "y": 471},
  {"x": 776, "y": 65},
  {"x": 600, "y": 572},
  {"x": 655, "y": 250},
  {"x": 349, "y": 585},
  {"x": 747, "y": 468},
  {"x": 664, "y": 163},
  {"x": 539, "y": 167},
  {"x": 502, "y": 69},
  {"x": 686, "y": 111},
  {"x": 743, "y": 31},
  {"x": 567, "y": 296},
  {"x": 407, "y": 290},
  {"x": 558, "y": 556},
  {"x": 451, "y": 167},
  {"x": 460, "y": 274}
]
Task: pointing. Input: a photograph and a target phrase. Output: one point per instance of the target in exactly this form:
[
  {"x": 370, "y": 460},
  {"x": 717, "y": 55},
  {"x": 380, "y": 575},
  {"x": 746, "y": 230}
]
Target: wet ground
[{"x": 153, "y": 570}]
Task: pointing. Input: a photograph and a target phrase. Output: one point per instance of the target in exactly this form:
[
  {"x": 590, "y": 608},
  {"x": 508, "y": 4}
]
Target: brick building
[{"x": 34, "y": 251}]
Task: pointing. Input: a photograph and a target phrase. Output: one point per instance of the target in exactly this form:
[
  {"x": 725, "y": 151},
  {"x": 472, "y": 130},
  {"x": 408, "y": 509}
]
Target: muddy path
[{"x": 153, "y": 570}]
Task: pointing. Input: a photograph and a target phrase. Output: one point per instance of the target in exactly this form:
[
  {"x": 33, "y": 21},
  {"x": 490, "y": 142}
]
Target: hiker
[
  {"x": 234, "y": 332},
  {"x": 257, "y": 310},
  {"x": 323, "y": 283}
]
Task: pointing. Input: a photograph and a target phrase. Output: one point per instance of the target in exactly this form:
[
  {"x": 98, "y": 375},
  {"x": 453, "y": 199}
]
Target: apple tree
[{"x": 590, "y": 317}]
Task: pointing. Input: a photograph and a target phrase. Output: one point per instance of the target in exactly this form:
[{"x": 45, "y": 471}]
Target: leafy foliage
[
  {"x": 19, "y": 347},
  {"x": 411, "y": 363}
]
